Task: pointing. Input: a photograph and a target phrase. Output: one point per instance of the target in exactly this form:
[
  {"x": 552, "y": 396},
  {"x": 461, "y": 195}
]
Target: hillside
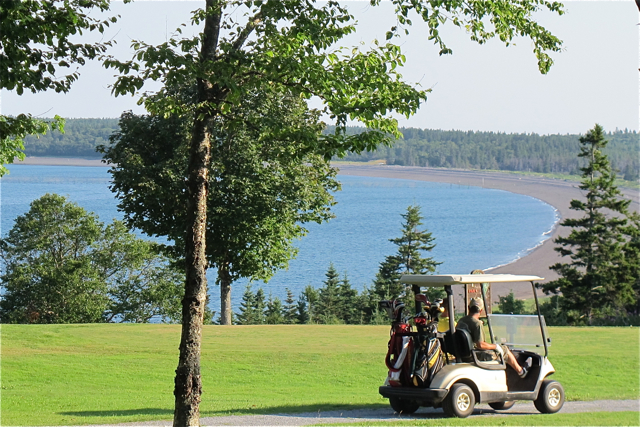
[{"x": 419, "y": 147}]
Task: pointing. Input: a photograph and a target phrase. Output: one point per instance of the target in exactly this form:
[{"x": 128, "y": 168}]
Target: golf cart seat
[{"x": 461, "y": 345}]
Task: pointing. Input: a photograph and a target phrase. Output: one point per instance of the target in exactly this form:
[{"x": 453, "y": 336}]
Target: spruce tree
[
  {"x": 302, "y": 311},
  {"x": 290, "y": 310},
  {"x": 408, "y": 259},
  {"x": 260, "y": 307},
  {"x": 307, "y": 305},
  {"x": 247, "y": 315},
  {"x": 347, "y": 302},
  {"x": 594, "y": 284},
  {"x": 273, "y": 312},
  {"x": 329, "y": 298}
]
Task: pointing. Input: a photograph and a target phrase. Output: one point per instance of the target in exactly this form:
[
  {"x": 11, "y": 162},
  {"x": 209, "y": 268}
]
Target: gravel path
[{"x": 384, "y": 414}]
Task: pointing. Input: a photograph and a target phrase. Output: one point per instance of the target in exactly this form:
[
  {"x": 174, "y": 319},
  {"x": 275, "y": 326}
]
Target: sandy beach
[{"x": 557, "y": 193}]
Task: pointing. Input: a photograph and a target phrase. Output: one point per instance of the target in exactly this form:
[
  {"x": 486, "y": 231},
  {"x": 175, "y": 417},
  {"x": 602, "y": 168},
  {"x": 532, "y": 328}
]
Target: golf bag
[{"x": 429, "y": 360}]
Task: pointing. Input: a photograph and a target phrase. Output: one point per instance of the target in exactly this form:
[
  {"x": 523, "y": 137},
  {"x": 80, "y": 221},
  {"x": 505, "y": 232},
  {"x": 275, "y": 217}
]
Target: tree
[
  {"x": 37, "y": 53},
  {"x": 408, "y": 259},
  {"x": 307, "y": 305},
  {"x": 347, "y": 302},
  {"x": 510, "y": 304},
  {"x": 593, "y": 284},
  {"x": 260, "y": 306},
  {"x": 291, "y": 44},
  {"x": 63, "y": 266},
  {"x": 273, "y": 312},
  {"x": 328, "y": 305},
  {"x": 260, "y": 194},
  {"x": 290, "y": 309},
  {"x": 247, "y": 315}
]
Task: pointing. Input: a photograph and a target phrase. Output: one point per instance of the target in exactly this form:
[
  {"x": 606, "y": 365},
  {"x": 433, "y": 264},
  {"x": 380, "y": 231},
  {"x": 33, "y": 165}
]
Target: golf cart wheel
[
  {"x": 502, "y": 406},
  {"x": 459, "y": 402},
  {"x": 403, "y": 406},
  {"x": 550, "y": 398}
]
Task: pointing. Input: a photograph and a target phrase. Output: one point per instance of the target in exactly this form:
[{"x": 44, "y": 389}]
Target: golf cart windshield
[{"x": 520, "y": 331}]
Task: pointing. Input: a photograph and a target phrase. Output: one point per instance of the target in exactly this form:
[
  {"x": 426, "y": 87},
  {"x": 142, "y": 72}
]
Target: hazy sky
[{"x": 490, "y": 87}]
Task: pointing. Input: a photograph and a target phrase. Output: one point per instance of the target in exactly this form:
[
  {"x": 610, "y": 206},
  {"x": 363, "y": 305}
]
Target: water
[{"x": 473, "y": 227}]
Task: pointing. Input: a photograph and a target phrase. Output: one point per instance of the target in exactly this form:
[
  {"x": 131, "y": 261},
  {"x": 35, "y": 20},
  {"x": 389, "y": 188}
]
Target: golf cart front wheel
[
  {"x": 550, "y": 398},
  {"x": 403, "y": 406},
  {"x": 459, "y": 402},
  {"x": 502, "y": 406}
]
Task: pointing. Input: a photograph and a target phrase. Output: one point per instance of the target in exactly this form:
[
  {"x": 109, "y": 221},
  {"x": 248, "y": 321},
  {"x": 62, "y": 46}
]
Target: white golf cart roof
[{"x": 439, "y": 280}]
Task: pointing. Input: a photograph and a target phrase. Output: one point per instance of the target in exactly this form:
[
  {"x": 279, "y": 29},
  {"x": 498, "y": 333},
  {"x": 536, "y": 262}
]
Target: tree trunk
[
  {"x": 225, "y": 294},
  {"x": 188, "y": 383}
]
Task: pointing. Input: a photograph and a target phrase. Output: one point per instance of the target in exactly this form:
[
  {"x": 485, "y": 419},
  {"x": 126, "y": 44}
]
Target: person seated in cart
[
  {"x": 443, "y": 318},
  {"x": 474, "y": 326}
]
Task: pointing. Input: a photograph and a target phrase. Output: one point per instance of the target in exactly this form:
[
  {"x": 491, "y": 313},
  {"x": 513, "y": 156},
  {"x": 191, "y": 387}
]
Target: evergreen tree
[
  {"x": 347, "y": 302},
  {"x": 290, "y": 310},
  {"x": 329, "y": 298},
  {"x": 408, "y": 259},
  {"x": 260, "y": 306},
  {"x": 247, "y": 315},
  {"x": 302, "y": 311},
  {"x": 628, "y": 270},
  {"x": 273, "y": 312},
  {"x": 309, "y": 298},
  {"x": 594, "y": 283}
]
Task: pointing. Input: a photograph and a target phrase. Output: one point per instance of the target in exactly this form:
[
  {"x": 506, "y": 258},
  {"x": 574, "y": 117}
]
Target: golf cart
[{"x": 443, "y": 369}]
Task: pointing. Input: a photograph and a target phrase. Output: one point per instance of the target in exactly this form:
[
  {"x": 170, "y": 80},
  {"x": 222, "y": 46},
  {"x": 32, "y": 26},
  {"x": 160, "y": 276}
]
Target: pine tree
[
  {"x": 290, "y": 310},
  {"x": 307, "y": 305},
  {"x": 408, "y": 259},
  {"x": 273, "y": 312},
  {"x": 247, "y": 315},
  {"x": 329, "y": 299},
  {"x": 260, "y": 306},
  {"x": 302, "y": 311},
  {"x": 347, "y": 302},
  {"x": 593, "y": 284}
]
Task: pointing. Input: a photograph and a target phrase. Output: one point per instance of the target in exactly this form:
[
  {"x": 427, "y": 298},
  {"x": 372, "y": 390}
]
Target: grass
[{"x": 108, "y": 373}]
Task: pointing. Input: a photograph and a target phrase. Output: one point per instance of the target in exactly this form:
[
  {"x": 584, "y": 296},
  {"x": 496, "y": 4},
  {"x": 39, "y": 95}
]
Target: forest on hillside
[{"x": 419, "y": 147}]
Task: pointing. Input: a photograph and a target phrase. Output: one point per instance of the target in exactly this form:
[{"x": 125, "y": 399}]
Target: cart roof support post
[
  {"x": 452, "y": 323},
  {"x": 484, "y": 298},
  {"x": 544, "y": 334}
]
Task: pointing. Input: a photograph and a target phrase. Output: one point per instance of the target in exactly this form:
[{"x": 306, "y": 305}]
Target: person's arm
[{"x": 481, "y": 345}]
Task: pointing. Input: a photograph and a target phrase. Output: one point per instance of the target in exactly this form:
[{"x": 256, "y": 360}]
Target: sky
[{"x": 487, "y": 87}]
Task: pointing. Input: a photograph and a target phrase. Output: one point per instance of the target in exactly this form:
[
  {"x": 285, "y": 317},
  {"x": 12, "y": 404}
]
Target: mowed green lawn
[{"x": 113, "y": 373}]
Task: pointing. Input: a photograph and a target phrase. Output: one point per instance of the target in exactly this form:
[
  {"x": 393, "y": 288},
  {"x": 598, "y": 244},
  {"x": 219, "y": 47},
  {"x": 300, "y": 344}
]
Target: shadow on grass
[
  {"x": 294, "y": 409},
  {"x": 122, "y": 413}
]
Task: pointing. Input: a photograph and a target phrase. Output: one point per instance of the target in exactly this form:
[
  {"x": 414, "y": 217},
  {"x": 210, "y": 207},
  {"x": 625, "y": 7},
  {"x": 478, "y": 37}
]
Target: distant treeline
[
  {"x": 501, "y": 151},
  {"x": 420, "y": 147},
  {"x": 80, "y": 139}
]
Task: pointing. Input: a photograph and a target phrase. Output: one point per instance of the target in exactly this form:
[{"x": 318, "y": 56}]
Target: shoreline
[{"x": 555, "y": 192}]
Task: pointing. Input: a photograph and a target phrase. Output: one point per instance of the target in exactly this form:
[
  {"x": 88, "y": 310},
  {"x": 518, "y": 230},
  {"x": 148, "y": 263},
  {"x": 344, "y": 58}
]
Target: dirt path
[{"x": 387, "y": 414}]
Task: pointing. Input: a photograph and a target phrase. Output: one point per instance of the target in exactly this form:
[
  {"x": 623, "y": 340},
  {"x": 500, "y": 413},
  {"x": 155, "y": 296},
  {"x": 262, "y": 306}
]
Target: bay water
[{"x": 473, "y": 227}]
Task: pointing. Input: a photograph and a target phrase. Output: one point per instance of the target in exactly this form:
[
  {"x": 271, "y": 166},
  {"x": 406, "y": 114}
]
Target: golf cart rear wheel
[
  {"x": 550, "y": 398},
  {"x": 403, "y": 406},
  {"x": 502, "y": 406},
  {"x": 459, "y": 402}
]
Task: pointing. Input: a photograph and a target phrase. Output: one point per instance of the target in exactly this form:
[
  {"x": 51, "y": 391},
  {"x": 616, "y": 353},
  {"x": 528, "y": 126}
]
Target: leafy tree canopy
[
  {"x": 62, "y": 265},
  {"x": 264, "y": 184},
  {"x": 38, "y": 53}
]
